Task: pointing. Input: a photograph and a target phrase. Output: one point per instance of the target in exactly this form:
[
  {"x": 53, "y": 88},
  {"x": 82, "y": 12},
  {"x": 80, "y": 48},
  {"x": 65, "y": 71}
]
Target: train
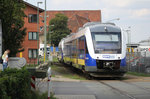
[{"x": 98, "y": 49}]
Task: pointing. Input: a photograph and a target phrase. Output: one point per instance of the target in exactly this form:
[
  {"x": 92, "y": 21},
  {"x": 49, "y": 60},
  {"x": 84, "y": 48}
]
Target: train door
[
  {"x": 74, "y": 52},
  {"x": 90, "y": 63}
]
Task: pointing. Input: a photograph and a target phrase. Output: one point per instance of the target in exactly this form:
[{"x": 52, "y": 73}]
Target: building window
[
  {"x": 32, "y": 53},
  {"x": 32, "y": 18},
  {"x": 33, "y": 36}
]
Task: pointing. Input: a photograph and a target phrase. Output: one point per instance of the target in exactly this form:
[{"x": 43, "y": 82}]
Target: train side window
[
  {"x": 67, "y": 49},
  {"x": 81, "y": 47},
  {"x": 74, "y": 49}
]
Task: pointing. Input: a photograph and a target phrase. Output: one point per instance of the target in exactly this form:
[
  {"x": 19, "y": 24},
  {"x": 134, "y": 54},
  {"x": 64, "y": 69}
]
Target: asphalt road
[{"x": 101, "y": 89}]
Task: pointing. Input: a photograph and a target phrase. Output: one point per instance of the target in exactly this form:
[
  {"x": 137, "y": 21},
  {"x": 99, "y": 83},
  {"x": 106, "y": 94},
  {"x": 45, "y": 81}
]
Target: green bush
[{"x": 15, "y": 84}]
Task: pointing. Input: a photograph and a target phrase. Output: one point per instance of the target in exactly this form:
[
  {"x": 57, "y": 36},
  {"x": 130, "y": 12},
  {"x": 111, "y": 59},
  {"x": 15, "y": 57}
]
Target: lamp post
[
  {"x": 50, "y": 34},
  {"x": 38, "y": 30},
  {"x": 45, "y": 45},
  {"x": 50, "y": 56}
]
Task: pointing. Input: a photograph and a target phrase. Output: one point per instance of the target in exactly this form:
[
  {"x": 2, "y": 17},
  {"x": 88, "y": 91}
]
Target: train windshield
[{"x": 107, "y": 43}]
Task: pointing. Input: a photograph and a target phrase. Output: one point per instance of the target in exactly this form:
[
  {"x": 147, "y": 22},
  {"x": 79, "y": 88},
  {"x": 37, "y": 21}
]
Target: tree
[
  {"x": 12, "y": 14},
  {"x": 57, "y": 29}
]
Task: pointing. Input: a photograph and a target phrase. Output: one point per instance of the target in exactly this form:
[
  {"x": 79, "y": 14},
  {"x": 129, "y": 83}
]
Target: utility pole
[
  {"x": 45, "y": 45},
  {"x": 38, "y": 30}
]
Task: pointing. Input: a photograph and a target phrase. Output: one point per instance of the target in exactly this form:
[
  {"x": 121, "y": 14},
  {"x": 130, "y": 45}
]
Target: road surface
[{"x": 100, "y": 89}]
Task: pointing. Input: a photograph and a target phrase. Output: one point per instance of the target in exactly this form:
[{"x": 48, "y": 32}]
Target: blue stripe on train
[
  {"x": 62, "y": 56},
  {"x": 123, "y": 62},
  {"x": 89, "y": 61}
]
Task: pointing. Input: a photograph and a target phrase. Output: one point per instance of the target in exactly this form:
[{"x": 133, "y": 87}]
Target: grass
[
  {"x": 75, "y": 76},
  {"x": 66, "y": 72},
  {"x": 61, "y": 69},
  {"x": 55, "y": 59},
  {"x": 138, "y": 74}
]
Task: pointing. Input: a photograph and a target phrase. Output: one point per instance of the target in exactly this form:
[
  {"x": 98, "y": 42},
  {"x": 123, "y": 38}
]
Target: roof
[
  {"x": 76, "y": 18},
  {"x": 33, "y": 6},
  {"x": 72, "y": 10}
]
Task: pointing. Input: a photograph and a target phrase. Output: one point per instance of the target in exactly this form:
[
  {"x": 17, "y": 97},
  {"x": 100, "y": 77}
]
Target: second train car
[{"x": 97, "y": 49}]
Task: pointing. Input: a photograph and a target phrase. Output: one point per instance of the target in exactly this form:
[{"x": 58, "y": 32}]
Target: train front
[{"x": 106, "y": 48}]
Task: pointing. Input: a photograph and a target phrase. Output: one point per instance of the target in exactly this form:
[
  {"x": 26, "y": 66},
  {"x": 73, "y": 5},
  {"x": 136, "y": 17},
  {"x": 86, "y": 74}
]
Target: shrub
[{"x": 15, "y": 84}]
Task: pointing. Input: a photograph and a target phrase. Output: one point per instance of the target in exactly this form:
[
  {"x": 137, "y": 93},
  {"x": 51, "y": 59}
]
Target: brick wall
[
  {"x": 74, "y": 15},
  {"x": 31, "y": 27}
]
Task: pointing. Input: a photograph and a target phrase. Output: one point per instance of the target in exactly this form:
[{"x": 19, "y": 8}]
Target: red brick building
[
  {"x": 76, "y": 19},
  {"x": 30, "y": 41}
]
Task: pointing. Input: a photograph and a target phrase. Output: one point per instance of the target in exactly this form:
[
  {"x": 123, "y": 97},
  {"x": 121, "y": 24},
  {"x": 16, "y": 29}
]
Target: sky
[{"x": 134, "y": 15}]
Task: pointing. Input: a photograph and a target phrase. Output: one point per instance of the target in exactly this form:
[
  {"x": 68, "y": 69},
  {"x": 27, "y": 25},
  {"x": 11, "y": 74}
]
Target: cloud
[
  {"x": 118, "y": 3},
  {"x": 140, "y": 12},
  {"x": 66, "y": 2}
]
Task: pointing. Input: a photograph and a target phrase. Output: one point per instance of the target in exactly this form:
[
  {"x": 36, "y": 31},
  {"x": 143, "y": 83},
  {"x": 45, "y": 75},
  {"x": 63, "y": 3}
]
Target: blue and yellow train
[{"x": 97, "y": 48}]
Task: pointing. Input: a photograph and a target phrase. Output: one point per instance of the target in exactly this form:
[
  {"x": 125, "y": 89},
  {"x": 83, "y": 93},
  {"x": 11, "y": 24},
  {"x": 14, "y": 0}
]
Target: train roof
[
  {"x": 96, "y": 23},
  {"x": 98, "y": 26},
  {"x": 94, "y": 27},
  {"x": 104, "y": 28}
]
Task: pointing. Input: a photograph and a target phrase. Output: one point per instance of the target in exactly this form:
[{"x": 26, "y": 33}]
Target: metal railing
[{"x": 138, "y": 62}]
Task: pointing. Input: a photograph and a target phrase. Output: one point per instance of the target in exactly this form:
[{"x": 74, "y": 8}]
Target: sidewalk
[
  {"x": 65, "y": 88},
  {"x": 75, "y": 96}
]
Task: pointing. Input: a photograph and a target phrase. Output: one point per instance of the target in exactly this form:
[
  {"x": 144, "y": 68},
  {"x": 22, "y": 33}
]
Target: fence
[{"x": 138, "y": 62}]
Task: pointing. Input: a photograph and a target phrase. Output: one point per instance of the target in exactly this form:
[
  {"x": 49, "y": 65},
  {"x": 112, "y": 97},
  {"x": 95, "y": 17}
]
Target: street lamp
[
  {"x": 50, "y": 32},
  {"x": 38, "y": 30}
]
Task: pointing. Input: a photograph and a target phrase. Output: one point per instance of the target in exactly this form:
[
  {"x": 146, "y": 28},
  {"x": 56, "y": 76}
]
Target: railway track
[
  {"x": 123, "y": 92},
  {"x": 129, "y": 83},
  {"x": 118, "y": 90}
]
